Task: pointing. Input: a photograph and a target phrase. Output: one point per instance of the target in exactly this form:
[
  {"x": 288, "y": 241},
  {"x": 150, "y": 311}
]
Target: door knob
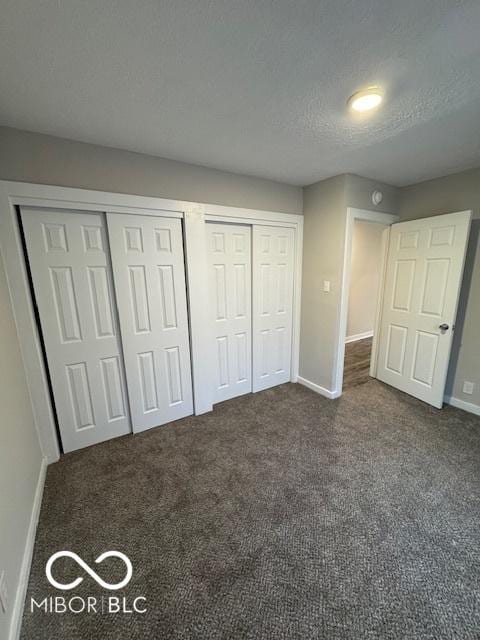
[{"x": 444, "y": 327}]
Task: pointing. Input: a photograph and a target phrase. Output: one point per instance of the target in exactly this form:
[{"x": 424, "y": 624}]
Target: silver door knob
[{"x": 444, "y": 327}]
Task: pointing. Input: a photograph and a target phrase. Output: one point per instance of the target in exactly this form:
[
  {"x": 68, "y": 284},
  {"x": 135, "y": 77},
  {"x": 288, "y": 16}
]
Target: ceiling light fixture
[{"x": 365, "y": 100}]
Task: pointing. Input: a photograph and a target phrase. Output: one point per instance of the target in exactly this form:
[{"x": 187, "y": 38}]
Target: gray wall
[
  {"x": 358, "y": 194},
  {"x": 456, "y": 192},
  {"x": 20, "y": 455},
  {"x": 324, "y": 229},
  {"x": 325, "y": 210},
  {"x": 365, "y": 276},
  {"x": 33, "y": 157}
]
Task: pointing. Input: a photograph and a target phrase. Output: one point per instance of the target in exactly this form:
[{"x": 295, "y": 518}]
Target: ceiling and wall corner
[
  {"x": 359, "y": 190},
  {"x": 42, "y": 159},
  {"x": 256, "y": 88},
  {"x": 441, "y": 195}
]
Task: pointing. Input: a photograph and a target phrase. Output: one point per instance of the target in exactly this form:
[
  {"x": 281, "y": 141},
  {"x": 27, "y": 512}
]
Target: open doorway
[
  {"x": 365, "y": 275},
  {"x": 363, "y": 264}
]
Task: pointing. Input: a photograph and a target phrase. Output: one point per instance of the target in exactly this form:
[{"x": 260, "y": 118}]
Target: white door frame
[
  {"x": 352, "y": 215},
  {"x": 194, "y": 216}
]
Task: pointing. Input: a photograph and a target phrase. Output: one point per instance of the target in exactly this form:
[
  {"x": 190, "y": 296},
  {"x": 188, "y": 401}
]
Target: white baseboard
[
  {"x": 359, "y": 336},
  {"x": 17, "y": 614},
  {"x": 463, "y": 404},
  {"x": 318, "y": 389}
]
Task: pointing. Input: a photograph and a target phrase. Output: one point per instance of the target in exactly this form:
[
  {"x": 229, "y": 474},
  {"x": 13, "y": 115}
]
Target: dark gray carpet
[{"x": 281, "y": 515}]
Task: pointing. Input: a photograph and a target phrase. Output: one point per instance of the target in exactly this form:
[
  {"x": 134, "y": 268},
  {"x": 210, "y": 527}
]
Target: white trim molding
[
  {"x": 194, "y": 216},
  {"x": 379, "y": 308},
  {"x": 19, "y": 602},
  {"x": 352, "y": 215},
  {"x": 331, "y": 395},
  {"x": 359, "y": 336},
  {"x": 462, "y": 404}
]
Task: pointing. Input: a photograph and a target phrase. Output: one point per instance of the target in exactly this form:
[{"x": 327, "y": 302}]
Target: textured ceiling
[{"x": 251, "y": 86}]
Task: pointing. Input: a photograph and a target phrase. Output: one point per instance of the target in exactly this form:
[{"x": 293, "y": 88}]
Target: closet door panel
[
  {"x": 71, "y": 273},
  {"x": 273, "y": 276},
  {"x": 149, "y": 274},
  {"x": 229, "y": 255}
]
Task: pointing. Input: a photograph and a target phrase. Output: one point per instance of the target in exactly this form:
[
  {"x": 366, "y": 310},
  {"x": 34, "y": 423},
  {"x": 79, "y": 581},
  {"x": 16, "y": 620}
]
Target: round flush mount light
[{"x": 365, "y": 100}]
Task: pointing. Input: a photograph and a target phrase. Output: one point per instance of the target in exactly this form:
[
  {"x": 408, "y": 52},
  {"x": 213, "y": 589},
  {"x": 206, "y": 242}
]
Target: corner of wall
[
  {"x": 359, "y": 192},
  {"x": 324, "y": 230}
]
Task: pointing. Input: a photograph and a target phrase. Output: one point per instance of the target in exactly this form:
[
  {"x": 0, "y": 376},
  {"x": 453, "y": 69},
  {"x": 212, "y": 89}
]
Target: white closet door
[
  {"x": 149, "y": 275},
  {"x": 230, "y": 275},
  {"x": 273, "y": 270},
  {"x": 69, "y": 262}
]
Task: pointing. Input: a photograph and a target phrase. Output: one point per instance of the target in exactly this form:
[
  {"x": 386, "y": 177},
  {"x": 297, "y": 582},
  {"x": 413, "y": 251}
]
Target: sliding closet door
[
  {"x": 149, "y": 274},
  {"x": 69, "y": 262},
  {"x": 273, "y": 271},
  {"x": 230, "y": 277}
]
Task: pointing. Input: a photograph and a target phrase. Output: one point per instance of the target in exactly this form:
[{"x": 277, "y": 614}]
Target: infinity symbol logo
[{"x": 87, "y": 569}]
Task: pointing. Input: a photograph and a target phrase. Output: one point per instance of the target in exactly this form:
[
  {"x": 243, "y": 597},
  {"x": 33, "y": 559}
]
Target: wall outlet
[
  {"x": 468, "y": 387},
  {"x": 3, "y": 593}
]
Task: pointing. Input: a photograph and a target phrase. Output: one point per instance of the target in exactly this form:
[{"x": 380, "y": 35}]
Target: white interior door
[
  {"x": 149, "y": 275},
  {"x": 422, "y": 283},
  {"x": 70, "y": 267},
  {"x": 230, "y": 277},
  {"x": 273, "y": 274}
]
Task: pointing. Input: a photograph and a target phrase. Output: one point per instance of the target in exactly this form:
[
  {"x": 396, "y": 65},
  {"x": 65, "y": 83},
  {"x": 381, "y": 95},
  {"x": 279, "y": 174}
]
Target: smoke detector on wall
[{"x": 377, "y": 197}]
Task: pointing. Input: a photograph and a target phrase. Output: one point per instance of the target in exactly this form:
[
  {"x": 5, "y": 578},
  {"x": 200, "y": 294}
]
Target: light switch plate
[
  {"x": 468, "y": 387},
  {"x": 326, "y": 286}
]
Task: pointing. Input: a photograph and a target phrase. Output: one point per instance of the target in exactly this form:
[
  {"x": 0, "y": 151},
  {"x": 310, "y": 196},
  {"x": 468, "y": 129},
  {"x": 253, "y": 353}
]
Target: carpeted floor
[
  {"x": 356, "y": 366},
  {"x": 279, "y": 516}
]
